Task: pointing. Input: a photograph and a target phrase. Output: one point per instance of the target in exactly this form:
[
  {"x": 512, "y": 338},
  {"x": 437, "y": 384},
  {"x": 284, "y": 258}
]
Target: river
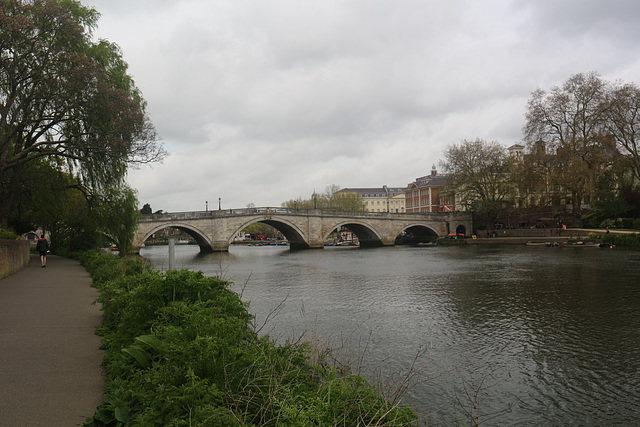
[{"x": 527, "y": 335}]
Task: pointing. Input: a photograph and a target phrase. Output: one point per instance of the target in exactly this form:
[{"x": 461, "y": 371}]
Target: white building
[{"x": 381, "y": 199}]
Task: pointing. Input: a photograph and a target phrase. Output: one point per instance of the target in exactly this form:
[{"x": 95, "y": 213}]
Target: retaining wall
[
  {"x": 529, "y": 232},
  {"x": 14, "y": 255}
]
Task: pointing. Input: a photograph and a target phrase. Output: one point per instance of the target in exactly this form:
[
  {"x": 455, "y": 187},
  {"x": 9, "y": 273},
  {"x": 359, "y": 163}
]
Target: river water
[{"x": 527, "y": 335}]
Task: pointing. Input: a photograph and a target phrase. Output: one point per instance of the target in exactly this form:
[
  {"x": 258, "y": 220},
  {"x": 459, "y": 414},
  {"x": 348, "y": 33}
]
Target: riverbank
[
  {"x": 517, "y": 240},
  {"x": 183, "y": 347},
  {"x": 624, "y": 238}
]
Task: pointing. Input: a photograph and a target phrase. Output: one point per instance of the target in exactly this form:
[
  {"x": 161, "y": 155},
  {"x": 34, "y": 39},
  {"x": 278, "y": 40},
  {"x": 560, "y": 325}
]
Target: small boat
[{"x": 581, "y": 245}]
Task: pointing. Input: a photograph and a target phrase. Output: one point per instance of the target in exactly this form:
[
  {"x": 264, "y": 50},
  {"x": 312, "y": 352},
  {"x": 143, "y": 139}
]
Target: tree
[
  {"x": 66, "y": 99},
  {"x": 146, "y": 209},
  {"x": 331, "y": 199},
  {"x": 479, "y": 177},
  {"x": 569, "y": 123},
  {"x": 119, "y": 217}
]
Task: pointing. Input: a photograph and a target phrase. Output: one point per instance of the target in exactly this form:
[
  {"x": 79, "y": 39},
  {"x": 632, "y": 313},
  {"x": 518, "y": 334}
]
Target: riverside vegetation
[
  {"x": 182, "y": 350},
  {"x": 630, "y": 240}
]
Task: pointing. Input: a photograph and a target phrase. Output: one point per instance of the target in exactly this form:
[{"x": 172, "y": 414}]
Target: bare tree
[
  {"x": 569, "y": 122},
  {"x": 623, "y": 112},
  {"x": 479, "y": 177}
]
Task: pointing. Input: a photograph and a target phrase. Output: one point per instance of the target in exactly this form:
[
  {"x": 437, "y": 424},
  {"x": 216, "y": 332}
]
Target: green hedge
[{"x": 181, "y": 350}]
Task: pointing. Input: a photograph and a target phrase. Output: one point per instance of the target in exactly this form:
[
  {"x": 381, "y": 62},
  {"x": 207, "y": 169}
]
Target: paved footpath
[{"x": 50, "y": 373}]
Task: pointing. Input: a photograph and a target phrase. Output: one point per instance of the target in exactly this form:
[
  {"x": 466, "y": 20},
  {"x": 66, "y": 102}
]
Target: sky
[{"x": 260, "y": 102}]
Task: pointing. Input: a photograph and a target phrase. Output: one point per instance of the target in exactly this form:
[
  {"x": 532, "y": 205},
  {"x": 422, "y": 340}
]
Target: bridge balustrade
[{"x": 279, "y": 210}]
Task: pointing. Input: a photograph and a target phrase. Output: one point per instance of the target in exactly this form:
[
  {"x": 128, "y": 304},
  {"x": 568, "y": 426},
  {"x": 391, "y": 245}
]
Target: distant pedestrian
[
  {"x": 43, "y": 249},
  {"x": 607, "y": 230}
]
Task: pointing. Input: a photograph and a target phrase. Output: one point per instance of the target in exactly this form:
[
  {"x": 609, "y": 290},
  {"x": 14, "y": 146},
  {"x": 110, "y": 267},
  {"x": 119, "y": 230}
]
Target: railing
[{"x": 281, "y": 211}]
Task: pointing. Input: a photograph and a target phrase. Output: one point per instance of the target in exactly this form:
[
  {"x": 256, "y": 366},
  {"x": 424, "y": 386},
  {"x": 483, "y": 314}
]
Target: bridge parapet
[{"x": 164, "y": 216}]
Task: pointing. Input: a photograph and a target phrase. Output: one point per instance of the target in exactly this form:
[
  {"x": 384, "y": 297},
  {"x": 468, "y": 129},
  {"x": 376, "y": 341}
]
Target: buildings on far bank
[
  {"x": 425, "y": 194},
  {"x": 380, "y": 199}
]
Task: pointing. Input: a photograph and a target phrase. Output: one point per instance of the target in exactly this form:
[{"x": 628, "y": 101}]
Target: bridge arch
[
  {"x": 418, "y": 233},
  {"x": 290, "y": 231},
  {"x": 368, "y": 236},
  {"x": 198, "y": 235}
]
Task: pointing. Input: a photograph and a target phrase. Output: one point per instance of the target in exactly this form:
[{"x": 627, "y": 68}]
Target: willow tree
[
  {"x": 119, "y": 217},
  {"x": 66, "y": 99}
]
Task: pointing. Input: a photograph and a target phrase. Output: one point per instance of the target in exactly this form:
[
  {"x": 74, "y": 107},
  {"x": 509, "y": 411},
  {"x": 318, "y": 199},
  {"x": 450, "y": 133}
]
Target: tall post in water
[{"x": 172, "y": 252}]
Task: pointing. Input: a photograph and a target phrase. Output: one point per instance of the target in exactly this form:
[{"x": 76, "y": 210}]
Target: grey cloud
[{"x": 353, "y": 92}]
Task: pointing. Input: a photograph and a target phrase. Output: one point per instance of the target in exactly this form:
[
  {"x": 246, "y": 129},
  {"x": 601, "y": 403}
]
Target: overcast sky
[{"x": 264, "y": 101}]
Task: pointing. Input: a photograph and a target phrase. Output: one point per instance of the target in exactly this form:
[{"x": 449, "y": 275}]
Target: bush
[
  {"x": 636, "y": 224},
  {"x": 625, "y": 222},
  {"x": 628, "y": 240},
  {"x": 182, "y": 350},
  {"x": 8, "y": 234},
  {"x": 608, "y": 223}
]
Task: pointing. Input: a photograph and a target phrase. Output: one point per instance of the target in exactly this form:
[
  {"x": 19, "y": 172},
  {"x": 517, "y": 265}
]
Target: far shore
[{"x": 554, "y": 235}]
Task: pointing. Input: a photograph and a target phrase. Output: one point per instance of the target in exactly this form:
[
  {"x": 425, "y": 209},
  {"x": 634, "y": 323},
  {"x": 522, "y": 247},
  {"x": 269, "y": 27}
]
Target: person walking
[{"x": 43, "y": 249}]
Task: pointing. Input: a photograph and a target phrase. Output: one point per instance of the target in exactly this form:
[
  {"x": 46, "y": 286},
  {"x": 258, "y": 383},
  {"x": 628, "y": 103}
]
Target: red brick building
[{"x": 426, "y": 194}]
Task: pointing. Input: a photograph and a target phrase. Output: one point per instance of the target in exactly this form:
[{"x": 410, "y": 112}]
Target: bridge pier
[{"x": 219, "y": 246}]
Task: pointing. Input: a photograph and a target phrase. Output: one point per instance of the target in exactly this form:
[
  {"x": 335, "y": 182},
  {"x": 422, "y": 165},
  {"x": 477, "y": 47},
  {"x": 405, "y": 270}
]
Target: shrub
[
  {"x": 8, "y": 234},
  {"x": 182, "y": 350},
  {"x": 608, "y": 223},
  {"x": 625, "y": 222}
]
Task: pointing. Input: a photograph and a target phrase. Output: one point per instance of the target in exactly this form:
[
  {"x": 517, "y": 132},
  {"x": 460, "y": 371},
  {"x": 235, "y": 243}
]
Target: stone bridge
[{"x": 304, "y": 229}]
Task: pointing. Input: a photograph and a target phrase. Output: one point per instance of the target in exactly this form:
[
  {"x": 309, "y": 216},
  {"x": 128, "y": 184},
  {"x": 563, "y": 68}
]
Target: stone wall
[{"x": 14, "y": 255}]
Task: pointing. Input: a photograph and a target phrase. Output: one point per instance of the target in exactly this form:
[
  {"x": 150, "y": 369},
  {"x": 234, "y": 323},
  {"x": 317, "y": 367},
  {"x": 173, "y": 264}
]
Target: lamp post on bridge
[
  {"x": 219, "y": 203},
  {"x": 206, "y": 206}
]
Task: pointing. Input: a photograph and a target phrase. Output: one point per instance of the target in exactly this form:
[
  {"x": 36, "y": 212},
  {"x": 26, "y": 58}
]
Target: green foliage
[
  {"x": 91, "y": 124},
  {"x": 119, "y": 217},
  {"x": 182, "y": 351},
  {"x": 104, "y": 267},
  {"x": 608, "y": 223},
  {"x": 331, "y": 199},
  {"x": 628, "y": 240},
  {"x": 8, "y": 234}
]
